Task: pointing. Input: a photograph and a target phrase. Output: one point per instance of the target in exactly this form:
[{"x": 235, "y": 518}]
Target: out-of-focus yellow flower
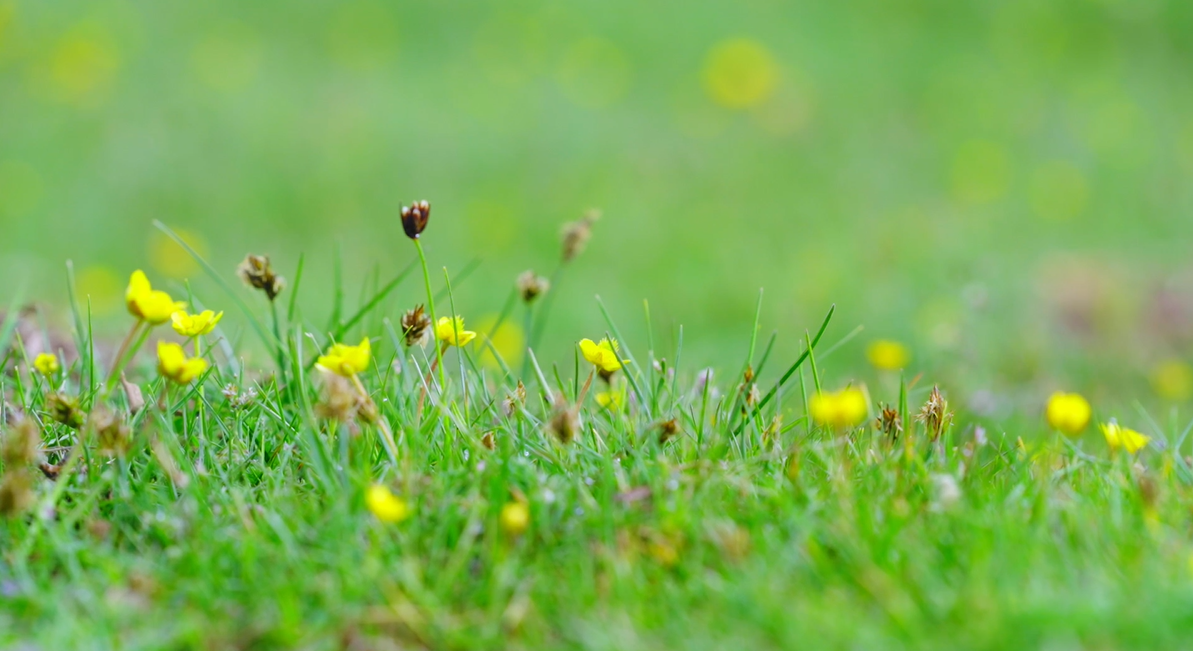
[
  {"x": 602, "y": 355},
  {"x": 84, "y": 63},
  {"x": 386, "y": 506},
  {"x": 451, "y": 331},
  {"x": 981, "y": 172},
  {"x": 508, "y": 339},
  {"x": 1068, "y": 413},
  {"x": 155, "y": 307},
  {"x": 174, "y": 365},
  {"x": 887, "y": 355},
  {"x": 171, "y": 258},
  {"x": 193, "y": 325},
  {"x": 515, "y": 518},
  {"x": 98, "y": 286},
  {"x": 346, "y": 360},
  {"x": 46, "y": 364},
  {"x": 841, "y": 410},
  {"x": 1118, "y": 436},
  {"x": 1173, "y": 380},
  {"x": 740, "y": 73},
  {"x": 613, "y": 399}
]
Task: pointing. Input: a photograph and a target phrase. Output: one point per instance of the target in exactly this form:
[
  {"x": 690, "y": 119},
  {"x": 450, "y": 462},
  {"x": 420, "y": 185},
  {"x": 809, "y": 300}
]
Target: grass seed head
[
  {"x": 114, "y": 436},
  {"x": 565, "y": 421},
  {"x": 935, "y": 414},
  {"x": 531, "y": 285},
  {"x": 667, "y": 430},
  {"x": 256, "y": 272},
  {"x": 416, "y": 327},
  {"x": 16, "y": 493},
  {"x": 65, "y": 410},
  {"x": 415, "y": 217},
  {"x": 889, "y": 422},
  {"x": 21, "y": 445},
  {"x": 576, "y": 234}
]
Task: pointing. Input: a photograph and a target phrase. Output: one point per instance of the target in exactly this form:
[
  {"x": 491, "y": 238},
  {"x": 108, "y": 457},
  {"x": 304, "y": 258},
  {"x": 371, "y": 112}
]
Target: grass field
[{"x": 811, "y": 215}]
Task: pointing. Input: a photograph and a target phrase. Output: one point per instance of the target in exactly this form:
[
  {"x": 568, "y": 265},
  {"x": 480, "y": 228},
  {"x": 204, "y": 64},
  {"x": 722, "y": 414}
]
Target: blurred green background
[{"x": 1004, "y": 186}]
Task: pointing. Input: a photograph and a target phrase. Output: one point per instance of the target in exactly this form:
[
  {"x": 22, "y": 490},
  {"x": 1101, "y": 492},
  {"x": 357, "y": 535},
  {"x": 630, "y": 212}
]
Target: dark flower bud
[{"x": 414, "y": 218}]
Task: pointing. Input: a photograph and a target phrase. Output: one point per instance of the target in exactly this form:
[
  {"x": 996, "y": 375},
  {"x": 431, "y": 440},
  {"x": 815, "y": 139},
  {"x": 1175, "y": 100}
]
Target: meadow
[{"x": 901, "y": 294}]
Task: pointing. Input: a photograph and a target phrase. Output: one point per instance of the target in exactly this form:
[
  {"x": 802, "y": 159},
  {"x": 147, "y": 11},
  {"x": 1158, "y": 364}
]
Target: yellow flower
[
  {"x": 887, "y": 355},
  {"x": 346, "y": 360},
  {"x": 46, "y": 364},
  {"x": 1068, "y": 413},
  {"x": 515, "y": 518},
  {"x": 173, "y": 363},
  {"x": 193, "y": 325},
  {"x": 1173, "y": 380},
  {"x": 841, "y": 410},
  {"x": 1118, "y": 436},
  {"x": 386, "y": 506},
  {"x": 602, "y": 355},
  {"x": 451, "y": 331},
  {"x": 150, "y": 305},
  {"x": 613, "y": 399}
]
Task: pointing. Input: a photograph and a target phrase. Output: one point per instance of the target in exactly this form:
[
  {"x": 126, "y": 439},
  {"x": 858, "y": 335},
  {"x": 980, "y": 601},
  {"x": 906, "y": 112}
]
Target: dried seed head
[
  {"x": 16, "y": 493},
  {"x": 935, "y": 414},
  {"x": 667, "y": 430},
  {"x": 889, "y": 422},
  {"x": 565, "y": 421},
  {"x": 114, "y": 436},
  {"x": 21, "y": 444},
  {"x": 414, "y": 218},
  {"x": 489, "y": 440},
  {"x": 340, "y": 402},
  {"x": 416, "y": 327},
  {"x": 511, "y": 402},
  {"x": 576, "y": 234},
  {"x": 256, "y": 272},
  {"x": 531, "y": 286},
  {"x": 65, "y": 410}
]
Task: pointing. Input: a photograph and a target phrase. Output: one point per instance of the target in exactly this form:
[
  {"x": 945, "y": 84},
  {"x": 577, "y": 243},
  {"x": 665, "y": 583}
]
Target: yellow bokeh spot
[
  {"x": 1058, "y": 191},
  {"x": 509, "y": 340},
  {"x": 21, "y": 188},
  {"x": 594, "y": 73},
  {"x": 84, "y": 63},
  {"x": 169, "y": 258},
  {"x": 102, "y": 287},
  {"x": 740, "y": 73},
  {"x": 981, "y": 172},
  {"x": 363, "y": 35},
  {"x": 1173, "y": 380},
  {"x": 228, "y": 58},
  {"x": 7, "y": 11}
]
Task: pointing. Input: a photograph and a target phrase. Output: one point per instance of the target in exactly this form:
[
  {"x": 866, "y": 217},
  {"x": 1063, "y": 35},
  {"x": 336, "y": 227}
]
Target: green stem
[
  {"x": 279, "y": 354},
  {"x": 431, "y": 308},
  {"x": 125, "y": 354}
]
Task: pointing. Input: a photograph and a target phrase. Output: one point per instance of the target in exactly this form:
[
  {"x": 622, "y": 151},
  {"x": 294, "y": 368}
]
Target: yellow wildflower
[
  {"x": 1173, "y": 380},
  {"x": 1118, "y": 436},
  {"x": 1068, "y": 413},
  {"x": 841, "y": 410},
  {"x": 46, "y": 364},
  {"x": 887, "y": 355},
  {"x": 451, "y": 331},
  {"x": 613, "y": 399},
  {"x": 386, "y": 506},
  {"x": 147, "y": 304},
  {"x": 515, "y": 518},
  {"x": 346, "y": 360},
  {"x": 193, "y": 325},
  {"x": 602, "y": 355},
  {"x": 173, "y": 363}
]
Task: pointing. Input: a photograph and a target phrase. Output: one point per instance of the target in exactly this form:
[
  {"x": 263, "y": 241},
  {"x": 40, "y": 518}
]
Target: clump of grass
[{"x": 383, "y": 495}]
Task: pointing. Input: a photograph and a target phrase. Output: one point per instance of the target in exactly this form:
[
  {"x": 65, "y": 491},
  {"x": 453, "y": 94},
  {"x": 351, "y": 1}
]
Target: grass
[{"x": 697, "y": 514}]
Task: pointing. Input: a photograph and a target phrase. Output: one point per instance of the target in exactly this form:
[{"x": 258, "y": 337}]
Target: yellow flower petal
[{"x": 386, "y": 506}]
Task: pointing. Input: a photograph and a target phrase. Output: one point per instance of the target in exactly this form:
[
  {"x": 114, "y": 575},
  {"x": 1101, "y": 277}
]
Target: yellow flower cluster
[
  {"x": 887, "y": 355},
  {"x": 152, "y": 306},
  {"x": 1068, "y": 413},
  {"x": 346, "y": 360},
  {"x": 386, "y": 506},
  {"x": 46, "y": 364},
  {"x": 174, "y": 365},
  {"x": 451, "y": 331},
  {"x": 193, "y": 325}
]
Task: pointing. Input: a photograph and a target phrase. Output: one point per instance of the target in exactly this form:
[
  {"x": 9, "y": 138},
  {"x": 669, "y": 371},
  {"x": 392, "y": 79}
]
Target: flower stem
[
  {"x": 431, "y": 308},
  {"x": 123, "y": 354},
  {"x": 387, "y": 436}
]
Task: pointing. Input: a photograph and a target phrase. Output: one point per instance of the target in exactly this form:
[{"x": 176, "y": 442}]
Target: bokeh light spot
[
  {"x": 594, "y": 73},
  {"x": 1058, "y": 191},
  {"x": 981, "y": 172},
  {"x": 84, "y": 63},
  {"x": 1173, "y": 380},
  {"x": 740, "y": 73},
  {"x": 508, "y": 340},
  {"x": 168, "y": 257},
  {"x": 228, "y": 58},
  {"x": 101, "y": 286}
]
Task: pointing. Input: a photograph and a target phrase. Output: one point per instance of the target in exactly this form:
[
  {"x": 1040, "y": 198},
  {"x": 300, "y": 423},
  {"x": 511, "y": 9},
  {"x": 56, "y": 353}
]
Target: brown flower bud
[
  {"x": 65, "y": 410},
  {"x": 565, "y": 421},
  {"x": 256, "y": 272},
  {"x": 21, "y": 444},
  {"x": 414, "y": 218},
  {"x": 113, "y": 434},
  {"x": 576, "y": 234}
]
